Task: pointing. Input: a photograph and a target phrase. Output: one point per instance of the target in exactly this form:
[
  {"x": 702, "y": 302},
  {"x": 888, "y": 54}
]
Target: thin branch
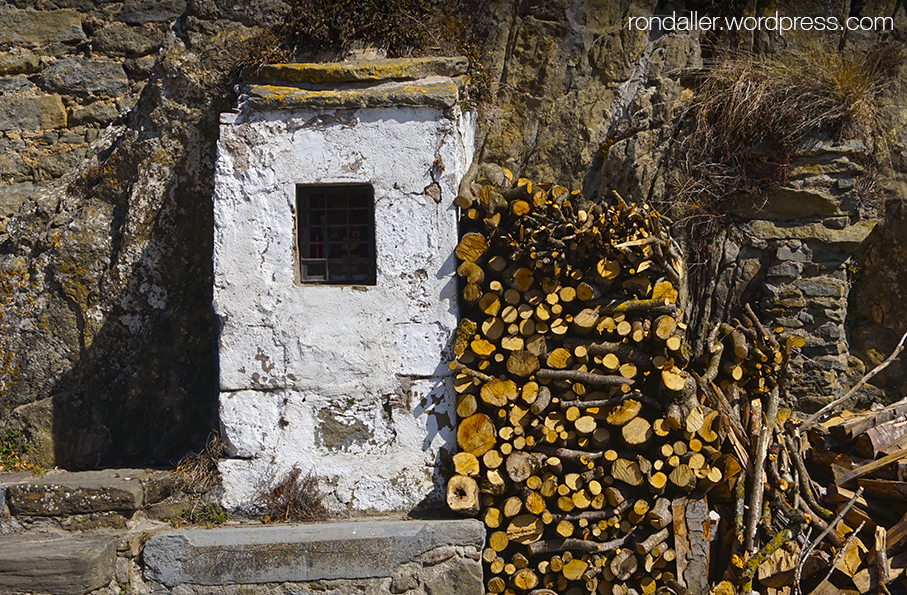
[
  {"x": 894, "y": 354},
  {"x": 840, "y": 553},
  {"x": 809, "y": 548}
]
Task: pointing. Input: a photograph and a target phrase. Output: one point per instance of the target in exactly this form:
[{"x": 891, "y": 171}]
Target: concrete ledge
[
  {"x": 847, "y": 239},
  {"x": 435, "y": 92},
  {"x": 299, "y": 553},
  {"x": 55, "y": 494},
  {"x": 63, "y": 565}
]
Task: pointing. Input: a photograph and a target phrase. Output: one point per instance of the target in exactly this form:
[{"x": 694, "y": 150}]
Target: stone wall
[
  {"x": 107, "y": 344},
  {"x": 111, "y": 531}
]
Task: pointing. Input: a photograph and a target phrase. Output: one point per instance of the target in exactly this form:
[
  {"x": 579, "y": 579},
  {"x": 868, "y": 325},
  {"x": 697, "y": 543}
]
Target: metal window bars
[{"x": 336, "y": 234}]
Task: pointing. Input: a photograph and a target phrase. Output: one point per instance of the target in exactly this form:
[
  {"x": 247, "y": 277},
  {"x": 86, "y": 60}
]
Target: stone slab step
[
  {"x": 64, "y": 493},
  {"x": 62, "y": 565},
  {"x": 300, "y": 553}
]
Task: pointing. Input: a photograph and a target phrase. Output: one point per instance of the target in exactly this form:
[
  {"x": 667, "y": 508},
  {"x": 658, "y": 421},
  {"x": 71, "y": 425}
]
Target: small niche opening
[{"x": 336, "y": 234}]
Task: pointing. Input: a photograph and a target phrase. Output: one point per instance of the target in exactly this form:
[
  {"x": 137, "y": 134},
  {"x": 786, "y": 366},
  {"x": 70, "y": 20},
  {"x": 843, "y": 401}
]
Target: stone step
[
  {"x": 58, "y": 564},
  {"x": 441, "y": 555},
  {"x": 64, "y": 493}
]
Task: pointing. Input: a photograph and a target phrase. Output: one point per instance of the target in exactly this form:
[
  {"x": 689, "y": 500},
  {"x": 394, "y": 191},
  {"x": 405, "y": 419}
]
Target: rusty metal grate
[{"x": 336, "y": 234}]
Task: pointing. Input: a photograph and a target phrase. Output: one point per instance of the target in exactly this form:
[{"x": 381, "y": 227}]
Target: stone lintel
[
  {"x": 847, "y": 239},
  {"x": 291, "y": 553},
  {"x": 435, "y": 92},
  {"x": 401, "y": 69}
]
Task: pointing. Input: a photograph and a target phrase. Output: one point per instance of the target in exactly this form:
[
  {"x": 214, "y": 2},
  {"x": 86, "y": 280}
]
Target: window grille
[{"x": 336, "y": 234}]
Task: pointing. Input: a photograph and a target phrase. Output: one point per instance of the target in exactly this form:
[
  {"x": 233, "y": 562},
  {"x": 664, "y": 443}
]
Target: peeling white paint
[{"x": 349, "y": 383}]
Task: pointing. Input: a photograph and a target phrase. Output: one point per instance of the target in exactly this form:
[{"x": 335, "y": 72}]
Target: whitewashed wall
[{"x": 349, "y": 383}]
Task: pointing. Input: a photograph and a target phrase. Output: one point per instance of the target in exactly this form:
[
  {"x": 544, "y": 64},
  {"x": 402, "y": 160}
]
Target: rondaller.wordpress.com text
[{"x": 694, "y": 22}]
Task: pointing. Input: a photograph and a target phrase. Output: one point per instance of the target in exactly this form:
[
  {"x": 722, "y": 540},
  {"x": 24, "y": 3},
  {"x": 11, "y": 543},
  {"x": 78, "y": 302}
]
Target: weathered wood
[
  {"x": 471, "y": 247},
  {"x": 498, "y": 393},
  {"x": 691, "y": 543},
  {"x": 623, "y": 412},
  {"x": 627, "y": 472},
  {"x": 522, "y": 363},
  {"x": 521, "y": 465},
  {"x": 637, "y": 431},
  {"x": 818, "y": 414},
  {"x": 778, "y": 570},
  {"x": 466, "y": 463},
  {"x": 897, "y": 534},
  {"x": 660, "y": 515},
  {"x": 584, "y": 377},
  {"x": 463, "y": 495},
  {"x": 525, "y": 579},
  {"x": 683, "y": 478},
  {"x": 651, "y": 541},
  {"x": 851, "y": 427},
  {"x": 874, "y": 465},
  {"x": 868, "y": 578},
  {"x": 562, "y": 545},
  {"x": 878, "y": 439},
  {"x": 525, "y": 529},
  {"x": 883, "y": 488},
  {"x": 623, "y": 564}
]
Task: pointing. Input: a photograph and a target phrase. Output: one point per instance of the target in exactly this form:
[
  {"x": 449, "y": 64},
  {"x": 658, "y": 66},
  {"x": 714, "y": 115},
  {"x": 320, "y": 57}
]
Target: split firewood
[
  {"x": 521, "y": 465},
  {"x": 463, "y": 495},
  {"x": 582, "y": 417}
]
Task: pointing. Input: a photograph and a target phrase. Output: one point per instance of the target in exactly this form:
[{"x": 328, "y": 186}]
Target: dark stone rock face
[{"x": 139, "y": 13}]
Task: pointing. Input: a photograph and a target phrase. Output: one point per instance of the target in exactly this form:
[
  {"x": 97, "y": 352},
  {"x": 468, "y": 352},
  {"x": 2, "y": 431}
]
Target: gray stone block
[
  {"x": 85, "y": 78},
  {"x": 821, "y": 287},
  {"x": 96, "y": 113},
  {"x": 16, "y": 84},
  {"x": 11, "y": 198},
  {"x": 57, "y": 164},
  {"x": 63, "y": 565},
  {"x": 32, "y": 113},
  {"x": 26, "y": 27},
  {"x": 8, "y": 479},
  {"x": 830, "y": 332},
  {"x": 348, "y": 550},
  {"x": 787, "y": 269},
  {"x": 799, "y": 254},
  {"x": 18, "y": 63},
  {"x": 123, "y": 40},
  {"x": 78, "y": 493},
  {"x": 137, "y": 13},
  {"x": 461, "y": 577}
]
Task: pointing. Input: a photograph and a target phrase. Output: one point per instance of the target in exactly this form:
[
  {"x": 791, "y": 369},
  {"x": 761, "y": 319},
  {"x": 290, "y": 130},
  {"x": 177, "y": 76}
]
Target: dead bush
[
  {"x": 197, "y": 472},
  {"x": 293, "y": 498},
  {"x": 753, "y": 113}
]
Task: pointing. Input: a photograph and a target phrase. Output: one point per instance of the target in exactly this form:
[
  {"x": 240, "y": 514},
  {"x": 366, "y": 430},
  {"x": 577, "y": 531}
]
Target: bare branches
[{"x": 818, "y": 414}]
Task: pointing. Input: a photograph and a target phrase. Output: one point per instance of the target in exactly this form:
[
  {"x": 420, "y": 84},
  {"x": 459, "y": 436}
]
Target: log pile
[{"x": 598, "y": 458}]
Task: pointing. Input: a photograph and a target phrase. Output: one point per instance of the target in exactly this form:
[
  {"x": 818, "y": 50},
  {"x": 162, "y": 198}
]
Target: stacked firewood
[
  {"x": 596, "y": 456},
  {"x": 859, "y": 459}
]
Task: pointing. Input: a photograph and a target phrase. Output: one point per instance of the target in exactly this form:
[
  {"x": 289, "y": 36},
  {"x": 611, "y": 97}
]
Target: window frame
[{"x": 330, "y": 259}]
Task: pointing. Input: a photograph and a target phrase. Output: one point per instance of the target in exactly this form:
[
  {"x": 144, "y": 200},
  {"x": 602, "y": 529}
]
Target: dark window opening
[{"x": 336, "y": 234}]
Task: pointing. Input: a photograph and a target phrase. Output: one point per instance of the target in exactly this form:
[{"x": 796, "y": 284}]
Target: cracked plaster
[{"x": 347, "y": 382}]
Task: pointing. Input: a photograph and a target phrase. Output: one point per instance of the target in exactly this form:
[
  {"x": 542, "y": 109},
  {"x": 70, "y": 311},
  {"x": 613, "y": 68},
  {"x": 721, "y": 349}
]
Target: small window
[{"x": 336, "y": 234}]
